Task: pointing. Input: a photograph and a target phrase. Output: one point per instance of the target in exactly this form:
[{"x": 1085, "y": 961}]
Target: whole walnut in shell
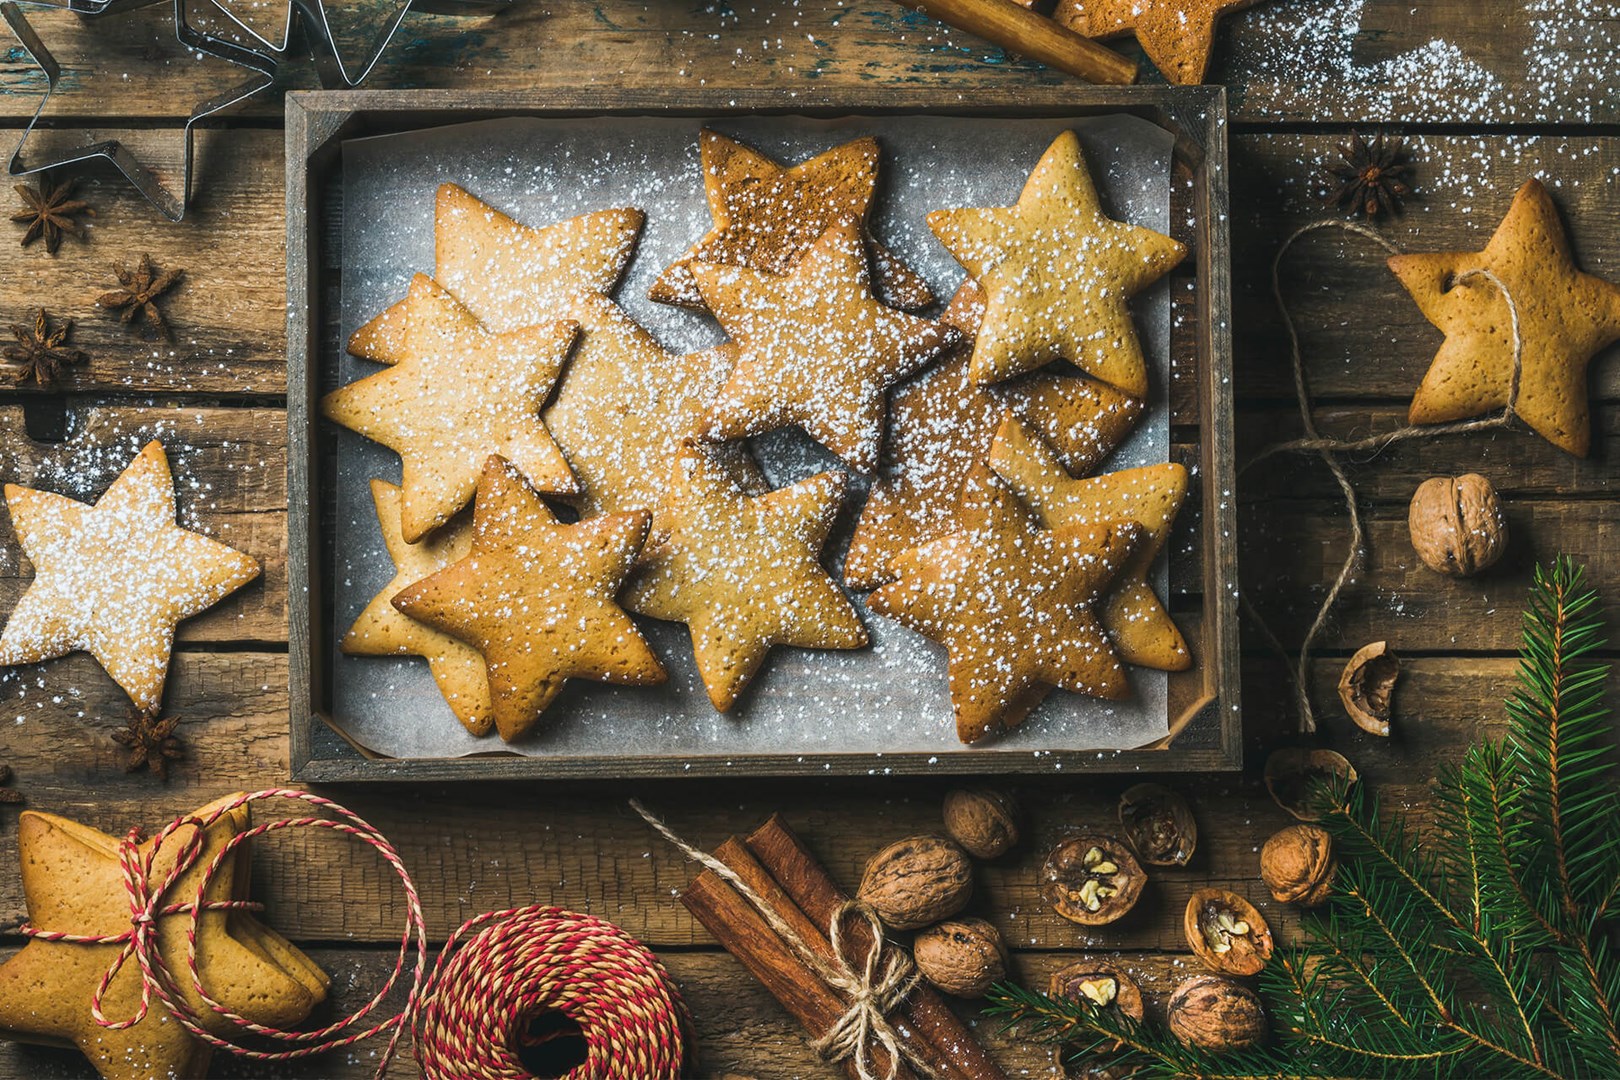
[
  {"x": 917, "y": 881},
  {"x": 1217, "y": 1015},
  {"x": 1457, "y": 524},
  {"x": 963, "y": 957},
  {"x": 1298, "y": 866},
  {"x": 982, "y": 820}
]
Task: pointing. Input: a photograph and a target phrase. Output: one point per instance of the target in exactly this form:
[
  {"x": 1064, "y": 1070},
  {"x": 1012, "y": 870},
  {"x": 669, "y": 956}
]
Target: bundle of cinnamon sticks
[{"x": 776, "y": 866}]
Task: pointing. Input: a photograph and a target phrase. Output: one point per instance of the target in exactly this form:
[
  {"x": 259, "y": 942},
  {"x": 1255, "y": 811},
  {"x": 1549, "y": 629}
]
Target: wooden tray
[{"x": 1204, "y": 713}]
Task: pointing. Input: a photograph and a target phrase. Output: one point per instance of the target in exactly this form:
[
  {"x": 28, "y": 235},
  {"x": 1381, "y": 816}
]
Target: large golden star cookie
[
  {"x": 1133, "y": 615},
  {"x": 1565, "y": 317},
  {"x": 381, "y": 630},
  {"x": 1013, "y": 605},
  {"x": 743, "y": 572},
  {"x": 536, "y": 599},
  {"x": 767, "y": 216},
  {"x": 1056, "y": 274},
  {"x": 814, "y": 348},
  {"x": 115, "y": 578},
  {"x": 459, "y": 394},
  {"x": 941, "y": 424},
  {"x": 1177, "y": 35},
  {"x": 73, "y": 883}
]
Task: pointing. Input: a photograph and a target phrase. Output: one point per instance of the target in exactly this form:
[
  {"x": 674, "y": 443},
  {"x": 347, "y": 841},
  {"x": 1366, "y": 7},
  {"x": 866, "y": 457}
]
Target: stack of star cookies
[{"x": 511, "y": 377}]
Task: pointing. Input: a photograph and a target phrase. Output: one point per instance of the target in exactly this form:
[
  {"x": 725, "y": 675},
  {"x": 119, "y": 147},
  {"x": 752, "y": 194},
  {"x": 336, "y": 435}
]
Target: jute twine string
[
  {"x": 1329, "y": 449},
  {"x": 875, "y": 984}
]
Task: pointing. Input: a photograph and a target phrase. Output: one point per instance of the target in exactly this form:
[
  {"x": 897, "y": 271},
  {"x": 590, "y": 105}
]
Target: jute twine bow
[
  {"x": 1329, "y": 448},
  {"x": 874, "y": 984}
]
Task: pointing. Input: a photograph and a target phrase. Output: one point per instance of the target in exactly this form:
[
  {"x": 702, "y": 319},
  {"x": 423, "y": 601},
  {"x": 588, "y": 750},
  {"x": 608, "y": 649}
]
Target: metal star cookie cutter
[{"x": 170, "y": 204}]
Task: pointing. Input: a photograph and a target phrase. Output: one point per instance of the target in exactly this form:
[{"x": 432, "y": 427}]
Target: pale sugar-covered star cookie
[
  {"x": 115, "y": 578},
  {"x": 743, "y": 571}
]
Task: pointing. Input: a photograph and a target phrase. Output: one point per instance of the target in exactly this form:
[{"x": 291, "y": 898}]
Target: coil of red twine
[{"x": 470, "y": 1017}]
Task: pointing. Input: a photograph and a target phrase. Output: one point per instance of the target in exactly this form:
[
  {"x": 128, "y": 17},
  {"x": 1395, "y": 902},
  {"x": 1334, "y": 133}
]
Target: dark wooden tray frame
[{"x": 1206, "y": 726}]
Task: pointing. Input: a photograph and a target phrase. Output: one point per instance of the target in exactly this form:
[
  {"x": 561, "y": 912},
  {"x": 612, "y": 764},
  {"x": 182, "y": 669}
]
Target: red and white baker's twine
[{"x": 466, "y": 1016}]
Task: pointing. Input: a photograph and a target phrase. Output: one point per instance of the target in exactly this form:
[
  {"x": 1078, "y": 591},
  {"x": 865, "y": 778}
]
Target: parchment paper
[{"x": 888, "y": 698}]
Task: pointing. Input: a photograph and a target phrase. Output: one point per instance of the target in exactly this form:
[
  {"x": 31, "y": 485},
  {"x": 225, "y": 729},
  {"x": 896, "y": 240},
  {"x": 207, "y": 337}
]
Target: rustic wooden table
[{"x": 1489, "y": 92}]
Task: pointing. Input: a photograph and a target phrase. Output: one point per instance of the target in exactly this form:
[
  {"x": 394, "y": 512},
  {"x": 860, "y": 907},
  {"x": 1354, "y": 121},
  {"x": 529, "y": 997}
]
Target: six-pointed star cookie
[
  {"x": 1565, "y": 317},
  {"x": 73, "y": 883},
  {"x": 115, "y": 578},
  {"x": 766, "y": 216},
  {"x": 459, "y": 394},
  {"x": 1056, "y": 274},
  {"x": 743, "y": 572},
  {"x": 381, "y": 630},
  {"x": 941, "y": 425},
  {"x": 1135, "y": 619},
  {"x": 814, "y": 348},
  {"x": 1177, "y": 35},
  {"x": 536, "y": 598},
  {"x": 1012, "y": 604}
]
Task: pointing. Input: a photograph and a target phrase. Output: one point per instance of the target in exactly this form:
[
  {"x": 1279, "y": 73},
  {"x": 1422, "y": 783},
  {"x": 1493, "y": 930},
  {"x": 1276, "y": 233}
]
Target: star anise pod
[
  {"x": 42, "y": 350},
  {"x": 151, "y": 743},
  {"x": 1371, "y": 178},
  {"x": 141, "y": 288},
  {"x": 50, "y": 212},
  {"x": 8, "y": 795}
]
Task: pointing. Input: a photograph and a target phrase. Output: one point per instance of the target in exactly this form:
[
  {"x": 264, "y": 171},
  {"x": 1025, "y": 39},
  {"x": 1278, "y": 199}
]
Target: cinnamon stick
[
  {"x": 1019, "y": 30},
  {"x": 937, "y": 1033}
]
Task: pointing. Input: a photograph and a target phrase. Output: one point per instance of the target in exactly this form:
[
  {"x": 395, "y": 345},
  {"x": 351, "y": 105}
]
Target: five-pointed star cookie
[
  {"x": 743, "y": 571},
  {"x": 115, "y": 578},
  {"x": 458, "y": 394},
  {"x": 814, "y": 348},
  {"x": 381, "y": 630},
  {"x": 767, "y": 216},
  {"x": 73, "y": 883},
  {"x": 1012, "y": 604},
  {"x": 1565, "y": 317},
  {"x": 1056, "y": 274},
  {"x": 1135, "y": 619},
  {"x": 941, "y": 424},
  {"x": 1177, "y": 35},
  {"x": 536, "y": 598}
]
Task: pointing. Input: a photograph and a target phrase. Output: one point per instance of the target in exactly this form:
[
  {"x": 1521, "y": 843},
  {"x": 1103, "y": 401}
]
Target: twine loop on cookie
[
  {"x": 524, "y": 962},
  {"x": 874, "y": 984},
  {"x": 1329, "y": 448}
]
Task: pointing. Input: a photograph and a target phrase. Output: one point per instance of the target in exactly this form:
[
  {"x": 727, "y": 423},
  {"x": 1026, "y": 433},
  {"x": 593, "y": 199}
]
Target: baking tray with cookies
[{"x": 641, "y": 434}]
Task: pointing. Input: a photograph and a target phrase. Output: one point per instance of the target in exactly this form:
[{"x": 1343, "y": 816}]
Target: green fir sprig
[{"x": 1480, "y": 949}]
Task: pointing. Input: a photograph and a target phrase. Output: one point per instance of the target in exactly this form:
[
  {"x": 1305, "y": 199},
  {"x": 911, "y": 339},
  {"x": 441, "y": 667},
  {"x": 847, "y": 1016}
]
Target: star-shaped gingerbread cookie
[
  {"x": 1013, "y": 605},
  {"x": 381, "y": 630},
  {"x": 1565, "y": 317},
  {"x": 536, "y": 598},
  {"x": 1056, "y": 274},
  {"x": 743, "y": 571},
  {"x": 766, "y": 216},
  {"x": 115, "y": 578},
  {"x": 1139, "y": 626},
  {"x": 941, "y": 424},
  {"x": 73, "y": 883},
  {"x": 458, "y": 394},
  {"x": 1177, "y": 35},
  {"x": 814, "y": 348}
]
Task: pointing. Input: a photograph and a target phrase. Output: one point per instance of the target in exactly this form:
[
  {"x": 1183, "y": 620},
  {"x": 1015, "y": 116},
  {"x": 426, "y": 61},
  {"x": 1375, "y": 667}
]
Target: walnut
[
  {"x": 1367, "y": 686},
  {"x": 983, "y": 821},
  {"x": 1299, "y": 778},
  {"x": 1226, "y": 932},
  {"x": 917, "y": 881},
  {"x": 1091, "y": 879},
  {"x": 1159, "y": 824},
  {"x": 1457, "y": 525},
  {"x": 1298, "y": 866},
  {"x": 1217, "y": 1015},
  {"x": 1101, "y": 984},
  {"x": 963, "y": 957}
]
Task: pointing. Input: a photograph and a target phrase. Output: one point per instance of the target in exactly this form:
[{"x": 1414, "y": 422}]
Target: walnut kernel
[
  {"x": 1226, "y": 932},
  {"x": 1091, "y": 879}
]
